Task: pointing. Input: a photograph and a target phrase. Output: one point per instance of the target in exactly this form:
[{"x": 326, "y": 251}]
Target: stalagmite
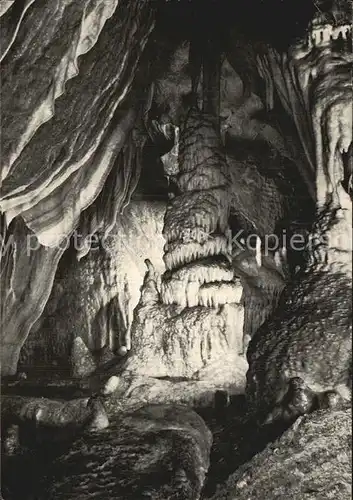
[
  {"x": 171, "y": 159},
  {"x": 111, "y": 385},
  {"x": 149, "y": 290},
  {"x": 258, "y": 251},
  {"x": 82, "y": 362},
  {"x": 67, "y": 109}
]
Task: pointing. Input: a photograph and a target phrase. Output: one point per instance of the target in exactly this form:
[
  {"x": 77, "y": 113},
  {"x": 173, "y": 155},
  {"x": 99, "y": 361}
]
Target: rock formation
[
  {"x": 159, "y": 451},
  {"x": 311, "y": 460},
  {"x": 175, "y": 229},
  {"x": 309, "y": 336}
]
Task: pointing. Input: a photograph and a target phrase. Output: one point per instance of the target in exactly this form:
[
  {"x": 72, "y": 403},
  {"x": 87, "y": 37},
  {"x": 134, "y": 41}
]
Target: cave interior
[{"x": 176, "y": 247}]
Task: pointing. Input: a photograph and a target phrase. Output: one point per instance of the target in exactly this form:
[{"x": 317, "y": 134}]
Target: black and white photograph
[{"x": 176, "y": 187}]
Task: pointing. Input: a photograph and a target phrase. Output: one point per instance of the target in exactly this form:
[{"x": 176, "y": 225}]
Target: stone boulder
[
  {"x": 312, "y": 460},
  {"x": 159, "y": 452}
]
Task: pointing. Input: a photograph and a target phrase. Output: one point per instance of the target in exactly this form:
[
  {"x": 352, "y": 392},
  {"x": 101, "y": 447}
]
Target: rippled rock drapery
[
  {"x": 263, "y": 172},
  {"x": 299, "y": 358},
  {"x": 26, "y": 280},
  {"x": 312, "y": 460},
  {"x": 191, "y": 317},
  {"x": 159, "y": 452},
  {"x": 91, "y": 152},
  {"x": 49, "y": 154}
]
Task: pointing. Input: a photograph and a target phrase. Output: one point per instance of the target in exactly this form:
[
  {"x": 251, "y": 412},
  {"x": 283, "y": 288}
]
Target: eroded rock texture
[
  {"x": 304, "y": 350},
  {"x": 196, "y": 221},
  {"x": 26, "y": 280},
  {"x": 312, "y": 460},
  {"x": 159, "y": 452},
  {"x": 81, "y": 103},
  {"x": 263, "y": 193},
  {"x": 56, "y": 415},
  {"x": 313, "y": 81},
  {"x": 59, "y": 146}
]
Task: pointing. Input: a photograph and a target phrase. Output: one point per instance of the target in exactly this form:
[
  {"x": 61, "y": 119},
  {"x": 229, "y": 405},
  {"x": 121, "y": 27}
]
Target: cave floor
[{"x": 234, "y": 438}]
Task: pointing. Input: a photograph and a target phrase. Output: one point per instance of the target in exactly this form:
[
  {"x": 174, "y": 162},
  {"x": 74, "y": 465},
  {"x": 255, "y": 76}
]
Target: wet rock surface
[{"x": 312, "y": 460}]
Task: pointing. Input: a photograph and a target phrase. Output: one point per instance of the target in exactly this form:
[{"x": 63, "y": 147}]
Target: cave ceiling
[{"x": 61, "y": 85}]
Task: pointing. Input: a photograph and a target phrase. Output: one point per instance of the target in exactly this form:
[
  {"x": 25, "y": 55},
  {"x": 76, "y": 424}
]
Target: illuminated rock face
[
  {"x": 300, "y": 359},
  {"x": 26, "y": 279},
  {"x": 198, "y": 258},
  {"x": 107, "y": 284},
  {"x": 176, "y": 341},
  {"x": 195, "y": 318},
  {"x": 95, "y": 297},
  {"x": 325, "y": 35},
  {"x": 44, "y": 149},
  {"x": 314, "y": 84},
  {"x": 66, "y": 113},
  {"x": 263, "y": 195}
]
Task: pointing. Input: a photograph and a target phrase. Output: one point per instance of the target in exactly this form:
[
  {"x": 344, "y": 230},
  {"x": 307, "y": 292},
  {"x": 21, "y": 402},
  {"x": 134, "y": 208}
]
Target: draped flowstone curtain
[
  {"x": 69, "y": 103},
  {"x": 315, "y": 89}
]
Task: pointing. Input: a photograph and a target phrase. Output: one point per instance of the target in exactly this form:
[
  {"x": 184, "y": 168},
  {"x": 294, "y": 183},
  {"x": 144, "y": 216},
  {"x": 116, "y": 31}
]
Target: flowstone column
[
  {"x": 189, "y": 322},
  {"x": 198, "y": 251}
]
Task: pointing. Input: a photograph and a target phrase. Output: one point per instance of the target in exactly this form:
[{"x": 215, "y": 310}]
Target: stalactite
[
  {"x": 263, "y": 281},
  {"x": 95, "y": 297},
  {"x": 333, "y": 123},
  {"x": 69, "y": 102},
  {"x": 116, "y": 194},
  {"x": 171, "y": 159}
]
